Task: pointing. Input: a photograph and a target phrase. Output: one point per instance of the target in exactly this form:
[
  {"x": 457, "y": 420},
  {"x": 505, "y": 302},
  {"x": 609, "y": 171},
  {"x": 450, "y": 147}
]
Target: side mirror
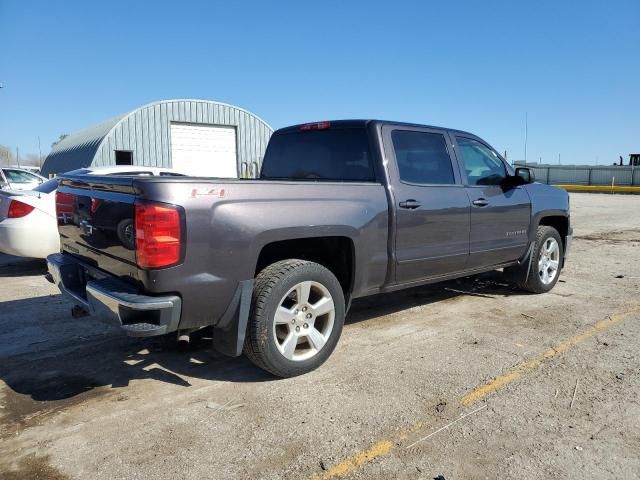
[{"x": 526, "y": 174}]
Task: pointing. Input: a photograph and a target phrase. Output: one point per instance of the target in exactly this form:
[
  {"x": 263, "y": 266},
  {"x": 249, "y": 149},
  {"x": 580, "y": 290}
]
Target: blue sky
[{"x": 573, "y": 67}]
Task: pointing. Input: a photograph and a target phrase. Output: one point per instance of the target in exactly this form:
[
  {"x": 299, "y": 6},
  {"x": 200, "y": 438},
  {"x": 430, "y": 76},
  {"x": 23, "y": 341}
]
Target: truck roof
[{"x": 361, "y": 123}]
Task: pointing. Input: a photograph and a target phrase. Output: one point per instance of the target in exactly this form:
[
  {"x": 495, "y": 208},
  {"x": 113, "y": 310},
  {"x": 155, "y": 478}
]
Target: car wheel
[
  {"x": 296, "y": 319},
  {"x": 542, "y": 275}
]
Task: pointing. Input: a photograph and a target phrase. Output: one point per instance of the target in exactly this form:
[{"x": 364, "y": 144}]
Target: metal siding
[
  {"x": 164, "y": 108},
  {"x": 137, "y": 125},
  {"x": 131, "y": 133},
  {"x": 145, "y": 132}
]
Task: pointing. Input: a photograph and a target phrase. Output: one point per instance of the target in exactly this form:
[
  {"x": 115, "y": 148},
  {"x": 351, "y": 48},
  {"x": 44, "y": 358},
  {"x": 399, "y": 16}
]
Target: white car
[
  {"x": 28, "y": 224},
  {"x": 19, "y": 179}
]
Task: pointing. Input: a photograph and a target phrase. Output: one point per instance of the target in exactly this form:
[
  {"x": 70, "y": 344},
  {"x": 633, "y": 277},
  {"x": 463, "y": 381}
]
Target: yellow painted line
[
  {"x": 353, "y": 462},
  {"x": 600, "y": 188},
  {"x": 383, "y": 447},
  {"x": 500, "y": 381}
]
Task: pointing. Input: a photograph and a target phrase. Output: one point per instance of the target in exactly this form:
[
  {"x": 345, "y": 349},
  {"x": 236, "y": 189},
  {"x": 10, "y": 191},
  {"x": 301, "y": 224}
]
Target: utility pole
[
  {"x": 558, "y": 159},
  {"x": 18, "y": 156},
  {"x": 526, "y": 134},
  {"x": 39, "y": 153}
]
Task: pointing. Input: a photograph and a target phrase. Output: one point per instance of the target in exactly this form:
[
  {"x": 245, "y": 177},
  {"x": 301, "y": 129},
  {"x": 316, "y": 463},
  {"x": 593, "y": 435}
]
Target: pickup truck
[{"x": 341, "y": 210}]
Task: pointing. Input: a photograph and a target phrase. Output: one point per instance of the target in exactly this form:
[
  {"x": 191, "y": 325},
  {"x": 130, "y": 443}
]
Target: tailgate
[{"x": 96, "y": 222}]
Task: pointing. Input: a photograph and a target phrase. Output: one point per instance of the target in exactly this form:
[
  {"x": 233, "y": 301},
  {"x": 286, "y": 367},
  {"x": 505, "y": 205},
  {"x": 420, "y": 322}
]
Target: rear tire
[
  {"x": 547, "y": 257},
  {"x": 296, "y": 319}
]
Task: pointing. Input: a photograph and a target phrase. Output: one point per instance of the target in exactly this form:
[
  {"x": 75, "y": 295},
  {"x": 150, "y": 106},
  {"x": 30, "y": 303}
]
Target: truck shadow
[
  {"x": 114, "y": 361},
  {"x": 486, "y": 285},
  {"x": 11, "y": 266}
]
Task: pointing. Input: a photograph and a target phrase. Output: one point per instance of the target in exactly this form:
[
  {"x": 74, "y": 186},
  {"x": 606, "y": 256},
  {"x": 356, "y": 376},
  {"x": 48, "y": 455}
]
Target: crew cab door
[
  {"x": 431, "y": 205},
  {"x": 500, "y": 215}
]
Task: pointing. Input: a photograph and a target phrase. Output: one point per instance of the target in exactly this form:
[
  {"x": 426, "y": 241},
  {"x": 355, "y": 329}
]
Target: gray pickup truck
[{"x": 342, "y": 210}]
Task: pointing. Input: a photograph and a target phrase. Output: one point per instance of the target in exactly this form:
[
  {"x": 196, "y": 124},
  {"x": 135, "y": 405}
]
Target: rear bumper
[{"x": 114, "y": 301}]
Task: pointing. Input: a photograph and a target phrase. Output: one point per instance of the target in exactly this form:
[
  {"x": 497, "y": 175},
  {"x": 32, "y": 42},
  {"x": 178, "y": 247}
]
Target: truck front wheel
[
  {"x": 297, "y": 314},
  {"x": 546, "y": 262}
]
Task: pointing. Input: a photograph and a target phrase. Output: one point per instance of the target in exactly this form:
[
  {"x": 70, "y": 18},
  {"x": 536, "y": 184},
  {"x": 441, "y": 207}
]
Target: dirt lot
[{"x": 537, "y": 386}]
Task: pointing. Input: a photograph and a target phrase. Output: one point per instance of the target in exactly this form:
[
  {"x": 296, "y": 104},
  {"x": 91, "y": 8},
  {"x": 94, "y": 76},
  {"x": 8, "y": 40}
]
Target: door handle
[
  {"x": 410, "y": 204},
  {"x": 481, "y": 202}
]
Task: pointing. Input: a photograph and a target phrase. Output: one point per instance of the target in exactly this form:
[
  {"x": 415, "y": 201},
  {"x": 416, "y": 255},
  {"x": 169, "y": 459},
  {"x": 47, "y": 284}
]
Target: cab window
[
  {"x": 483, "y": 166},
  {"x": 422, "y": 157}
]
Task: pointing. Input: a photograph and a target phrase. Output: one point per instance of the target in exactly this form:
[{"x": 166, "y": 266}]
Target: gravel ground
[{"x": 468, "y": 379}]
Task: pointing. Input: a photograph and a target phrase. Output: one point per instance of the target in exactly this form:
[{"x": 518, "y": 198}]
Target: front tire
[
  {"x": 544, "y": 271},
  {"x": 296, "y": 319}
]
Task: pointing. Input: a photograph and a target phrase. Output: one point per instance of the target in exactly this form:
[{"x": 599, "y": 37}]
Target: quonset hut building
[{"x": 195, "y": 137}]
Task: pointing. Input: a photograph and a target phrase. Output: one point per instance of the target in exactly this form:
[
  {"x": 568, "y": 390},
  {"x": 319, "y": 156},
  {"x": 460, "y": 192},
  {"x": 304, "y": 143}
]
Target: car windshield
[
  {"x": 19, "y": 176},
  {"x": 47, "y": 187}
]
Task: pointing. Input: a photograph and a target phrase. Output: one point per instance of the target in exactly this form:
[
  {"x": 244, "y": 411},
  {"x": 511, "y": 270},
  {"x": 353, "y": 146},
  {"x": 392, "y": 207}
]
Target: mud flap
[
  {"x": 529, "y": 258},
  {"x": 229, "y": 333}
]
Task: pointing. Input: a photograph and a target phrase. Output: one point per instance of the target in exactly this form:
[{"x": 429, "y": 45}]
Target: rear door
[
  {"x": 432, "y": 208},
  {"x": 500, "y": 216}
]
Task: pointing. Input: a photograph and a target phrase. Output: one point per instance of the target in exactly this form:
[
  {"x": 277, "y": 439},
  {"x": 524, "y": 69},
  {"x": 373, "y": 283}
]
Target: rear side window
[
  {"x": 422, "y": 157},
  {"x": 339, "y": 154}
]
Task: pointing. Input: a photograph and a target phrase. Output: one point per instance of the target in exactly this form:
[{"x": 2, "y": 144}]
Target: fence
[{"x": 585, "y": 175}]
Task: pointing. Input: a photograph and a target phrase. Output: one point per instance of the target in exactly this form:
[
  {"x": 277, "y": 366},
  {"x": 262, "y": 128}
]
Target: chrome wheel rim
[
  {"x": 304, "y": 321},
  {"x": 549, "y": 261}
]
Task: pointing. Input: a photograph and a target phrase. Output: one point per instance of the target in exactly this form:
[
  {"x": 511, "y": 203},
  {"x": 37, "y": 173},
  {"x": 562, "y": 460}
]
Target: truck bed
[{"x": 226, "y": 225}]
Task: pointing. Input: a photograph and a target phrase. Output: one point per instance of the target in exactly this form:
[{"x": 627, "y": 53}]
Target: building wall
[
  {"x": 146, "y": 132},
  {"x": 585, "y": 174}
]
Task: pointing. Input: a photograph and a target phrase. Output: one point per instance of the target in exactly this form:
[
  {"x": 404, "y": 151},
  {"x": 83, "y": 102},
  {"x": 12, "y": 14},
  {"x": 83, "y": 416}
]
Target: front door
[
  {"x": 500, "y": 216},
  {"x": 432, "y": 208}
]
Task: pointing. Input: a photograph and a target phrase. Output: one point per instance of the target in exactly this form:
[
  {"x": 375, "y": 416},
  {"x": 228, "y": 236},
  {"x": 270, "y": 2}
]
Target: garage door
[{"x": 204, "y": 150}]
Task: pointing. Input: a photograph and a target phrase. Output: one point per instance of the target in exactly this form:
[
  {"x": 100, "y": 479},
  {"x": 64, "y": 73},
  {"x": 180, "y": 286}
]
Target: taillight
[
  {"x": 158, "y": 235},
  {"x": 18, "y": 209},
  {"x": 95, "y": 203},
  {"x": 315, "y": 126},
  {"x": 64, "y": 204}
]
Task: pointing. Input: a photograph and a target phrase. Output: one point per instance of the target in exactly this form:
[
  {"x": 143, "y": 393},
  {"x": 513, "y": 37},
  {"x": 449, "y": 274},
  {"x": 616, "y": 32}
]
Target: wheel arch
[
  {"x": 559, "y": 222},
  {"x": 334, "y": 252}
]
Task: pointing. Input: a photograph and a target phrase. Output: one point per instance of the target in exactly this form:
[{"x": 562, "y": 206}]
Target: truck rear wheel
[
  {"x": 297, "y": 314},
  {"x": 546, "y": 262}
]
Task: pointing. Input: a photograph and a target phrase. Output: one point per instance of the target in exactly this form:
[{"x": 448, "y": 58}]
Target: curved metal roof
[
  {"x": 78, "y": 149},
  {"x": 81, "y": 148}
]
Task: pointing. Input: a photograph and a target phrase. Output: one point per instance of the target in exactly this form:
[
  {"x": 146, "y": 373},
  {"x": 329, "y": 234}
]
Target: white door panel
[{"x": 204, "y": 150}]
